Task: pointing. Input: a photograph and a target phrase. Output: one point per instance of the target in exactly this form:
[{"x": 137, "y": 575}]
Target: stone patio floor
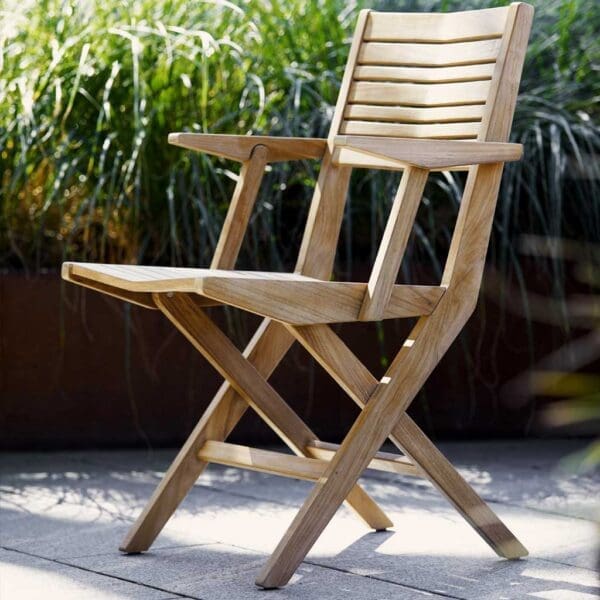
[{"x": 64, "y": 514}]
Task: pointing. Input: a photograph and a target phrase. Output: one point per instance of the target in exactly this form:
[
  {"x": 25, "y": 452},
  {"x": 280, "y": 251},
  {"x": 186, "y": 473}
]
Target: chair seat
[
  {"x": 286, "y": 297},
  {"x": 137, "y": 278}
]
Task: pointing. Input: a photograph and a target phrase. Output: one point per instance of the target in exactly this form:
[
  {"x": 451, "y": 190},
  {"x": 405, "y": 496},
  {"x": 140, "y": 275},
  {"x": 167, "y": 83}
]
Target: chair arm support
[
  {"x": 431, "y": 154},
  {"x": 240, "y": 147}
]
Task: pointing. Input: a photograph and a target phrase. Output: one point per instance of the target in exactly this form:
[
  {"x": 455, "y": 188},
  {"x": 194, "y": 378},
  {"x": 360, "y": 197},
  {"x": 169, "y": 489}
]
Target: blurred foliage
[{"x": 90, "y": 90}]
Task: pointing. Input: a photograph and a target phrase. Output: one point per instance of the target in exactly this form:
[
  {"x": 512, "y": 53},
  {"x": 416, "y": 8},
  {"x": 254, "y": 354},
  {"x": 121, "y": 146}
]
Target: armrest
[
  {"x": 431, "y": 154},
  {"x": 240, "y": 147}
]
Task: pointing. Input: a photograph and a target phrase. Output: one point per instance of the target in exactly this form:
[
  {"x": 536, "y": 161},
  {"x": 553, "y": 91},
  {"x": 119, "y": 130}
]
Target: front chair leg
[{"x": 361, "y": 444}]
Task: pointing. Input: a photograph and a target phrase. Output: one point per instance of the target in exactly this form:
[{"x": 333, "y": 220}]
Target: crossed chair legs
[{"x": 383, "y": 415}]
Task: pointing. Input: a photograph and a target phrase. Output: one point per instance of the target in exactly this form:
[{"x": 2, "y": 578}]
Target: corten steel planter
[{"x": 142, "y": 383}]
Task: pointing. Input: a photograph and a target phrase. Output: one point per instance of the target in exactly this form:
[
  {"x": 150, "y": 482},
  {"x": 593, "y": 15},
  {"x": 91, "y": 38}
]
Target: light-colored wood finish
[
  {"x": 319, "y": 242},
  {"x": 120, "y": 289},
  {"x": 414, "y": 114},
  {"x": 441, "y": 131},
  {"x": 429, "y": 154},
  {"x": 425, "y": 345},
  {"x": 498, "y": 118},
  {"x": 240, "y": 147},
  {"x": 407, "y": 61},
  {"x": 342, "y": 100},
  {"x": 430, "y": 55},
  {"x": 479, "y": 72},
  {"x": 350, "y": 157},
  {"x": 419, "y": 94},
  {"x": 339, "y": 361},
  {"x": 438, "y": 469},
  {"x": 286, "y": 297},
  {"x": 221, "y": 353},
  {"x": 299, "y": 467},
  {"x": 436, "y": 27},
  {"x": 305, "y": 302},
  {"x": 240, "y": 209},
  {"x": 422, "y": 350},
  {"x": 136, "y": 278},
  {"x": 392, "y": 247},
  {"x": 139, "y": 298},
  {"x": 264, "y": 461},
  {"x": 268, "y": 345},
  {"x": 382, "y": 461},
  {"x": 452, "y": 78}
]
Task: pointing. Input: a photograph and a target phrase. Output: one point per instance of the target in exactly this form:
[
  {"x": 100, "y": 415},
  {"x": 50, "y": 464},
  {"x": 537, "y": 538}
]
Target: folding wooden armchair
[{"x": 421, "y": 92}]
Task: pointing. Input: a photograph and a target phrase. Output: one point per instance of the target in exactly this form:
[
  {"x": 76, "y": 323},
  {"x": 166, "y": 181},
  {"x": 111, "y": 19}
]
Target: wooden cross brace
[{"x": 335, "y": 469}]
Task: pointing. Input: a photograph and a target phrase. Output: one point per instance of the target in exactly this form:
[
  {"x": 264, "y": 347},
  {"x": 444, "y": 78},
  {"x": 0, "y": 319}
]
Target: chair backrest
[
  {"x": 431, "y": 75},
  {"x": 420, "y": 75}
]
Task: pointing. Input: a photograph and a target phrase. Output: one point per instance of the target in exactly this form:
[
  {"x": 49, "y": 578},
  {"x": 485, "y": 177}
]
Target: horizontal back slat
[
  {"x": 413, "y": 114},
  {"x": 436, "y": 27},
  {"x": 440, "y": 55},
  {"x": 412, "y": 130},
  {"x": 419, "y": 94},
  {"x": 424, "y": 74}
]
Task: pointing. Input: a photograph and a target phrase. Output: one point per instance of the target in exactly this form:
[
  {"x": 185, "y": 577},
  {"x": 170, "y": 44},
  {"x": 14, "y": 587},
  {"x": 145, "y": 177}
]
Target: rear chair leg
[
  {"x": 343, "y": 365},
  {"x": 440, "y": 471}
]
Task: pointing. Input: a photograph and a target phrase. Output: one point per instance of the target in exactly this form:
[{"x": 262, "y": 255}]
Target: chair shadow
[
  {"x": 73, "y": 519},
  {"x": 490, "y": 576}
]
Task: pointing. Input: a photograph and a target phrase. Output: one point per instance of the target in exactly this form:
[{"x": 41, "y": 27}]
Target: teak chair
[{"x": 421, "y": 92}]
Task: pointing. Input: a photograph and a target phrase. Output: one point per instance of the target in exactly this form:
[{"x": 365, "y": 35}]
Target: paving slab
[
  {"x": 454, "y": 567},
  {"x": 223, "y": 572},
  {"x": 423, "y": 523},
  {"x": 25, "y": 577},
  {"x": 533, "y": 474},
  {"x": 62, "y": 515}
]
